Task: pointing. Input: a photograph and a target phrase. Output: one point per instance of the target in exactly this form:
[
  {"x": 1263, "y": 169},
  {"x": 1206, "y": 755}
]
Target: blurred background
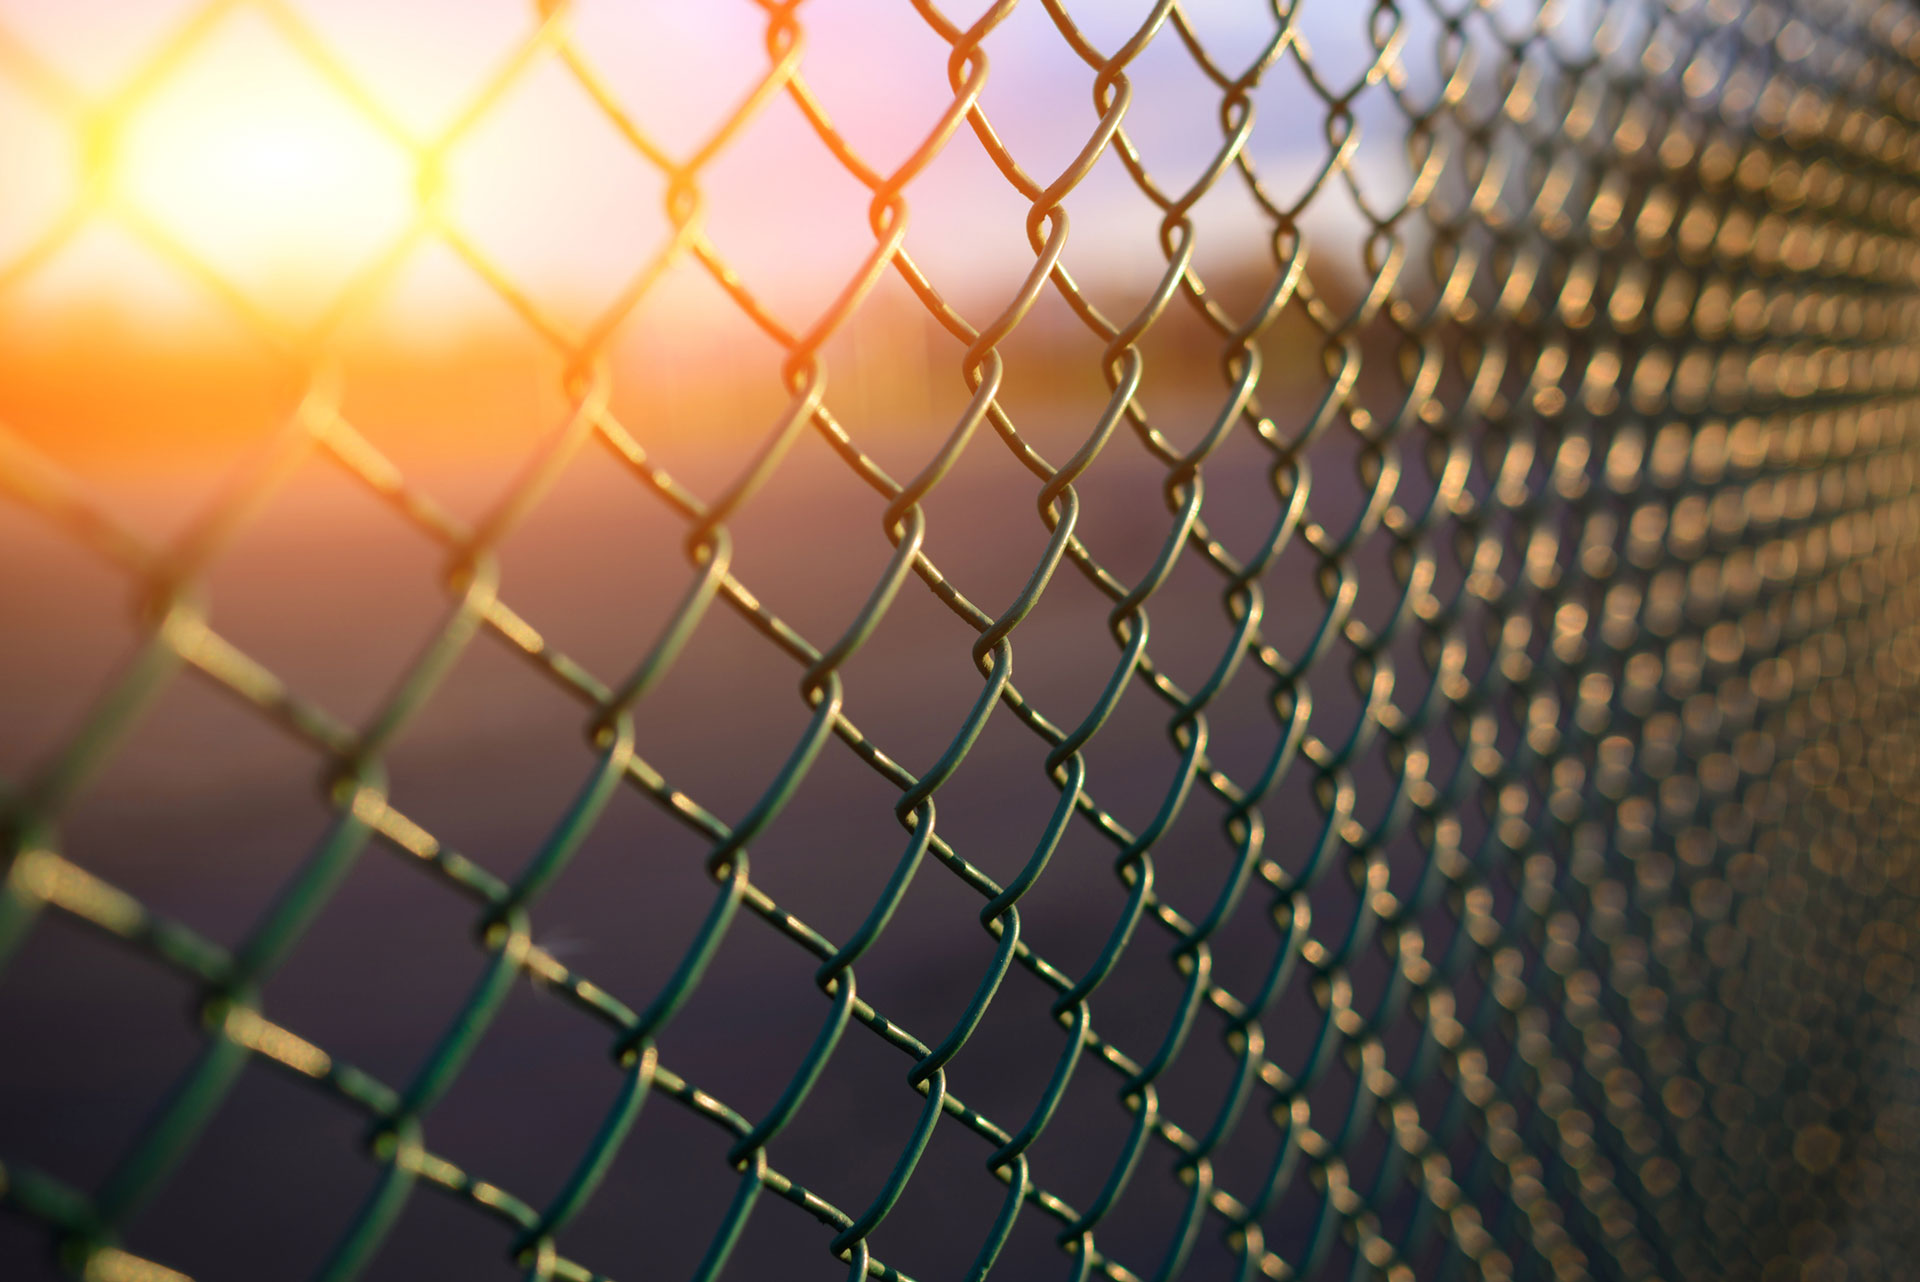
[
  {"x": 425, "y": 208},
  {"x": 297, "y": 294}
]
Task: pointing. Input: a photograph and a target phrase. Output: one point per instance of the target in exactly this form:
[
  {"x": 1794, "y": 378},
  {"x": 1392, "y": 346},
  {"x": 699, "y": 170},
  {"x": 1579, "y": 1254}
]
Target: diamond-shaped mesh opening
[
  {"x": 436, "y": 326},
  {"x": 240, "y": 1199},
  {"x": 283, "y": 205},
  {"x": 203, "y": 812},
  {"x": 682, "y": 76},
  {"x": 519, "y": 224},
  {"x": 270, "y": 590},
  {"x": 1122, "y": 641},
  {"x": 386, "y": 919},
  {"x": 76, "y": 1025},
  {"x": 798, "y": 267}
]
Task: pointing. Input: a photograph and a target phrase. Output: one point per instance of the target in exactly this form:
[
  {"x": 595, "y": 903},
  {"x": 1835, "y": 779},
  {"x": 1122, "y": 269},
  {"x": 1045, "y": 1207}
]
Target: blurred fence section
[{"x": 1169, "y": 640}]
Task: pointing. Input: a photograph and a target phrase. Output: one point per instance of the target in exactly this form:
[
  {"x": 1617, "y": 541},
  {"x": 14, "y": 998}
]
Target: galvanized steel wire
[{"x": 1646, "y": 489}]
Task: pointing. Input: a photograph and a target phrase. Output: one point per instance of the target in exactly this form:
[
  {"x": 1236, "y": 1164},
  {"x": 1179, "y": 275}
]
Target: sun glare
[{"x": 254, "y": 167}]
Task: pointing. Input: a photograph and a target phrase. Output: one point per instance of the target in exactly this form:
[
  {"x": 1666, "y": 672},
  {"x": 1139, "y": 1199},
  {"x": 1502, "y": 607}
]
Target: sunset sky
[{"x": 247, "y": 158}]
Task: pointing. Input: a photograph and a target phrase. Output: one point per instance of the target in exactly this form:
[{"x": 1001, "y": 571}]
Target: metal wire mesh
[{"x": 1616, "y": 759}]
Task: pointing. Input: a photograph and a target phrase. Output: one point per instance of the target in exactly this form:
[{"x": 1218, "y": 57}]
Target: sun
[{"x": 251, "y": 163}]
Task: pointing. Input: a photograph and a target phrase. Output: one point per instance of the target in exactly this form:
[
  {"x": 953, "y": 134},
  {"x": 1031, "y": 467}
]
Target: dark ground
[{"x": 206, "y": 810}]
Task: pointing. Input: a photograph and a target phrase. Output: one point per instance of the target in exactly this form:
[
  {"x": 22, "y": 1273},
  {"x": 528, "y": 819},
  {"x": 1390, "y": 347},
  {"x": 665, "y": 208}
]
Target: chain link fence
[{"x": 1562, "y": 925}]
